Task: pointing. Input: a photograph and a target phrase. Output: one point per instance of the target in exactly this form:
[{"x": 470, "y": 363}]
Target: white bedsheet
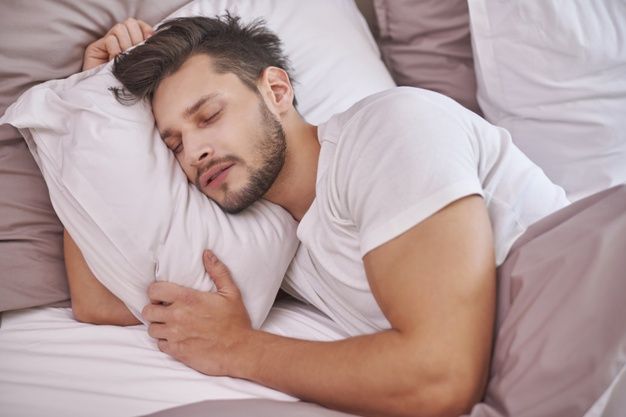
[{"x": 52, "y": 365}]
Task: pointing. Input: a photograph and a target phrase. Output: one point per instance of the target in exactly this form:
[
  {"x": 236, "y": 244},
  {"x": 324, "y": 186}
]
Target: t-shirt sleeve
[{"x": 401, "y": 160}]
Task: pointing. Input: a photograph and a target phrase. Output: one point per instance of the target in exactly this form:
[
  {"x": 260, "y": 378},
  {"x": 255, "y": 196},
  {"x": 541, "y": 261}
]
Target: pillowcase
[
  {"x": 32, "y": 271},
  {"x": 554, "y": 75},
  {"x": 43, "y": 39},
  {"x": 561, "y": 333},
  {"x": 126, "y": 202},
  {"x": 427, "y": 44}
]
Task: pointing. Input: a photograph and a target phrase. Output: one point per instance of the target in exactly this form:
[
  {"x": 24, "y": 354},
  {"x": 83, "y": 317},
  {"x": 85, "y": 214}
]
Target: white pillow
[
  {"x": 122, "y": 196},
  {"x": 554, "y": 74}
]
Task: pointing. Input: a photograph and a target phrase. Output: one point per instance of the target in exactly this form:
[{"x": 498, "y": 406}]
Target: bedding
[
  {"x": 52, "y": 365},
  {"x": 133, "y": 233},
  {"x": 42, "y": 40},
  {"x": 427, "y": 44},
  {"x": 553, "y": 73},
  {"x": 123, "y": 198},
  {"x": 262, "y": 408},
  {"x": 560, "y": 331},
  {"x": 31, "y": 236},
  {"x": 560, "y": 346}
]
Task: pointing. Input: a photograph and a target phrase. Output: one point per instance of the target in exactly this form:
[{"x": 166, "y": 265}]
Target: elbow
[
  {"x": 103, "y": 315},
  {"x": 459, "y": 399},
  {"x": 448, "y": 403},
  {"x": 88, "y": 314},
  {"x": 83, "y": 314},
  {"x": 79, "y": 315},
  {"x": 452, "y": 397}
]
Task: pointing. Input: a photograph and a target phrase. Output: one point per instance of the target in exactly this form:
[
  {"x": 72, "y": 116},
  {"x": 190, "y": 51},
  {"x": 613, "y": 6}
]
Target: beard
[{"x": 271, "y": 148}]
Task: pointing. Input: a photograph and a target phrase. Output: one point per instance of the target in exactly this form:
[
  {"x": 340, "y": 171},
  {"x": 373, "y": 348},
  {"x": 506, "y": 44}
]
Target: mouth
[{"x": 216, "y": 175}]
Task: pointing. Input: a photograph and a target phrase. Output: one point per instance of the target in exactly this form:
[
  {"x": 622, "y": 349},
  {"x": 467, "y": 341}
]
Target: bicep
[{"x": 435, "y": 283}]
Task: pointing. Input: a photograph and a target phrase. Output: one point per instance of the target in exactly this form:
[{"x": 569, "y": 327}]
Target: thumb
[{"x": 219, "y": 273}]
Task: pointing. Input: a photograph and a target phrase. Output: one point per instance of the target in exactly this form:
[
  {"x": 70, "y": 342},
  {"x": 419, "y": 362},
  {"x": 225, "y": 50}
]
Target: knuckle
[
  {"x": 223, "y": 270},
  {"x": 173, "y": 333},
  {"x": 111, "y": 41},
  {"x": 178, "y": 315},
  {"x": 188, "y": 297}
]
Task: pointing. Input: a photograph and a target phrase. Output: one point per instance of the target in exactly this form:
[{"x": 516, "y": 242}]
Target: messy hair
[{"x": 244, "y": 50}]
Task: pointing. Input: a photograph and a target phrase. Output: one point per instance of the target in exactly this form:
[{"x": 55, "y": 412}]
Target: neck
[{"x": 294, "y": 188}]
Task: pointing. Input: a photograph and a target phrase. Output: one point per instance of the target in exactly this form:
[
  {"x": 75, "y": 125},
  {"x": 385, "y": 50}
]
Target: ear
[{"x": 276, "y": 89}]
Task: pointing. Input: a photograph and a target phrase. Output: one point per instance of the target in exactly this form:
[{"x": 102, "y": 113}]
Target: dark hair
[{"x": 244, "y": 50}]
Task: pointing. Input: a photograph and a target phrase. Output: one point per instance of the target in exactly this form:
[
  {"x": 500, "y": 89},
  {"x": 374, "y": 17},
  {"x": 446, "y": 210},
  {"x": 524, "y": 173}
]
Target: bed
[{"x": 561, "y": 342}]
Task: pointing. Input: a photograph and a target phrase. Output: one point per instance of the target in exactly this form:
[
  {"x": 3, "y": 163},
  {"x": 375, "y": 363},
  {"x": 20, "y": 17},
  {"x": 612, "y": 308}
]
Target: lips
[{"x": 214, "y": 173}]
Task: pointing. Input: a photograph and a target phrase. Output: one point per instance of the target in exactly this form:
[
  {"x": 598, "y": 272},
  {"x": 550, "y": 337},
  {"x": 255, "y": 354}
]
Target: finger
[
  {"x": 97, "y": 49},
  {"x": 174, "y": 349},
  {"x": 158, "y": 331},
  {"x": 165, "y": 292},
  {"x": 163, "y": 345},
  {"x": 155, "y": 313},
  {"x": 123, "y": 37},
  {"x": 146, "y": 29},
  {"x": 219, "y": 273},
  {"x": 95, "y": 54},
  {"x": 136, "y": 35},
  {"x": 112, "y": 46}
]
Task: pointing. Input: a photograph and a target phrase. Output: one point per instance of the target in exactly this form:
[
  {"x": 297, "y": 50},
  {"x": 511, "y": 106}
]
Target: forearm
[
  {"x": 378, "y": 374},
  {"x": 113, "y": 312},
  {"x": 92, "y": 302}
]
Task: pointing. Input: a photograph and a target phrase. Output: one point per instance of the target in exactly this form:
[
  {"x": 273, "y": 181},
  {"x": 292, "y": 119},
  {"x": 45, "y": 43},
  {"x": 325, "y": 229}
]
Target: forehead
[{"x": 194, "y": 79}]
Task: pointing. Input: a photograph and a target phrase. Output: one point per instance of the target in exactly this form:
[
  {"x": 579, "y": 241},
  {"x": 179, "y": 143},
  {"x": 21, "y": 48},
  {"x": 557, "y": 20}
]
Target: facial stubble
[{"x": 271, "y": 150}]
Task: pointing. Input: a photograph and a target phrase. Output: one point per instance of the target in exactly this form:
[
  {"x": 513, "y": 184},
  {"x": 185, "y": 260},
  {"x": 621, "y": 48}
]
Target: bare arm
[
  {"x": 436, "y": 286},
  {"x": 92, "y": 302}
]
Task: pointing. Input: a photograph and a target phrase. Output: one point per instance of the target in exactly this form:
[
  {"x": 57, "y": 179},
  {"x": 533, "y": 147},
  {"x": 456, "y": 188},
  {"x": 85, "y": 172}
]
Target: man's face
[{"x": 223, "y": 135}]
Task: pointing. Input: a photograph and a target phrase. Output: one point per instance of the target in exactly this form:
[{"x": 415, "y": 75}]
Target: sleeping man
[{"x": 406, "y": 204}]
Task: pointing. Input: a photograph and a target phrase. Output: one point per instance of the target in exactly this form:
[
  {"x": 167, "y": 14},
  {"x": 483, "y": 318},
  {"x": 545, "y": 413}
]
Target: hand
[
  {"x": 201, "y": 329},
  {"x": 121, "y": 37}
]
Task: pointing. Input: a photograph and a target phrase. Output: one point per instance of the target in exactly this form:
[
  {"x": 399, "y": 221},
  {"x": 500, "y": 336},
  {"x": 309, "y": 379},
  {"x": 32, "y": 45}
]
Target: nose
[{"x": 199, "y": 147}]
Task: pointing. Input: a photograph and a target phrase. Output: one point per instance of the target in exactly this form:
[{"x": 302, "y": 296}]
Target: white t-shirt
[{"x": 389, "y": 162}]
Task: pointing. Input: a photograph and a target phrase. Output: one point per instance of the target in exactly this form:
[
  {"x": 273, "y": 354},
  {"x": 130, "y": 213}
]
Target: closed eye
[
  {"x": 211, "y": 119},
  {"x": 174, "y": 144}
]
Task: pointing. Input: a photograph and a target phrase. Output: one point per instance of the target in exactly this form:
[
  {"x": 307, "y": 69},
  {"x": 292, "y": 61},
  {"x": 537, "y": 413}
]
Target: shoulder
[
  {"x": 397, "y": 113},
  {"x": 402, "y": 122},
  {"x": 400, "y": 139}
]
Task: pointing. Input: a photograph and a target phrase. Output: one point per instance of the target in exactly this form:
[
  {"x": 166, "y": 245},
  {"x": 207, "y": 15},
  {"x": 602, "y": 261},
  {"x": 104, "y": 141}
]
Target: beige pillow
[{"x": 427, "y": 44}]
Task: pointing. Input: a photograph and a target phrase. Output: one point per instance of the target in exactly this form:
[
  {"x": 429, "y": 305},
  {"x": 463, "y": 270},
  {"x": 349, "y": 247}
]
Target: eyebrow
[{"x": 191, "y": 110}]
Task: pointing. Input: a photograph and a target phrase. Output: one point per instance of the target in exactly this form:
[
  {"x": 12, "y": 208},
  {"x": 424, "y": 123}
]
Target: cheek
[{"x": 190, "y": 172}]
